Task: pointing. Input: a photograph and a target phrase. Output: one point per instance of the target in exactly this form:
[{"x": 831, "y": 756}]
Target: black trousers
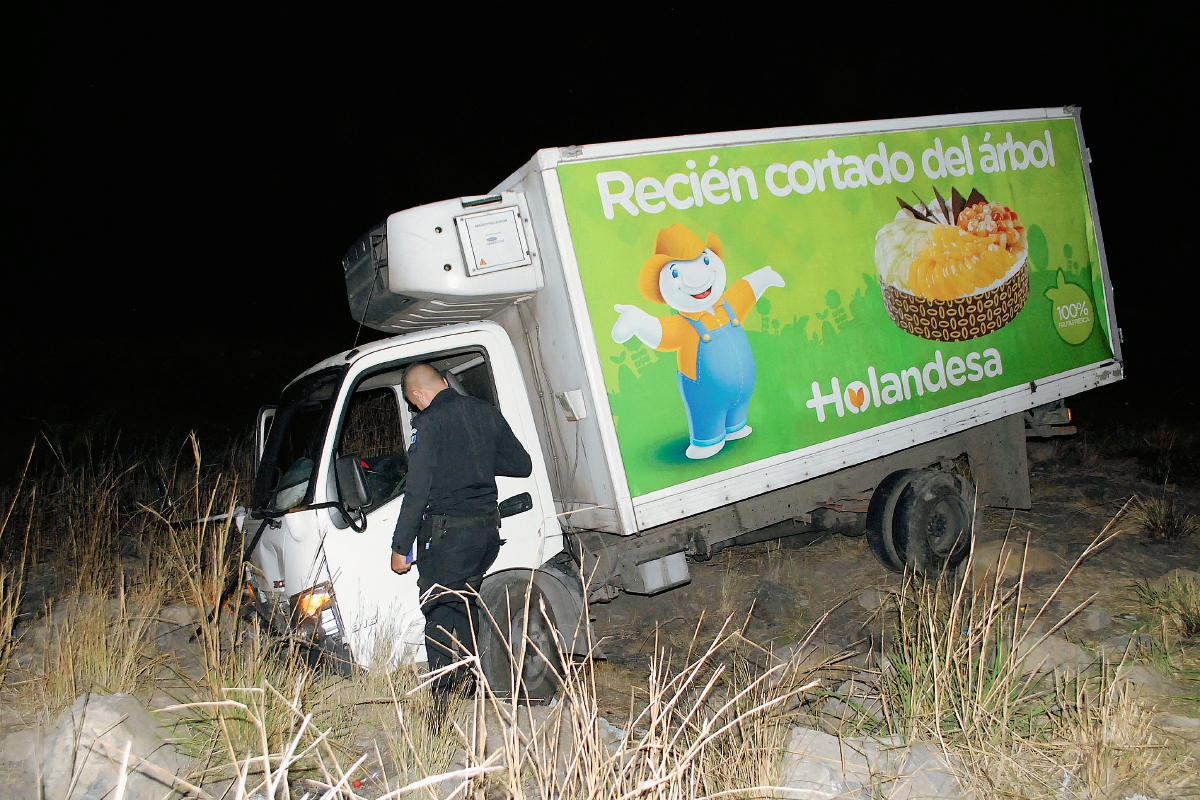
[{"x": 459, "y": 552}]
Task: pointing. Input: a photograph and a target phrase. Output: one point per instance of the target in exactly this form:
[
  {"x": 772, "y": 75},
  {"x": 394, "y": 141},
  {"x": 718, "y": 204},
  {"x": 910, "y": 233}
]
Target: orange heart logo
[{"x": 857, "y": 397}]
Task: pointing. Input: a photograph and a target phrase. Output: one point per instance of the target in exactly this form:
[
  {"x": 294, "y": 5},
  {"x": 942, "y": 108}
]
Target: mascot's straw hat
[{"x": 676, "y": 243}]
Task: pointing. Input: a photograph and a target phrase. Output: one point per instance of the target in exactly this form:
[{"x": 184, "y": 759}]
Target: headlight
[
  {"x": 315, "y": 612},
  {"x": 311, "y": 602}
]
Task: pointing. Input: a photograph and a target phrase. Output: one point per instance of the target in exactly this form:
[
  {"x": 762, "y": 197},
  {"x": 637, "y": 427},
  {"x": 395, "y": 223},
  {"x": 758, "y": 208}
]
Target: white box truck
[{"x": 703, "y": 340}]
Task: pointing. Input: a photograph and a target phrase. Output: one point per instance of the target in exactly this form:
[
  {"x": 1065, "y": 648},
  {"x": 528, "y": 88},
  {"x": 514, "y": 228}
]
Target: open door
[{"x": 375, "y": 427}]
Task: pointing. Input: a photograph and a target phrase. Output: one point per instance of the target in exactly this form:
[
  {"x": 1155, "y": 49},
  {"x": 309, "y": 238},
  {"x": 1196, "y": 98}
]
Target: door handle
[{"x": 517, "y": 504}]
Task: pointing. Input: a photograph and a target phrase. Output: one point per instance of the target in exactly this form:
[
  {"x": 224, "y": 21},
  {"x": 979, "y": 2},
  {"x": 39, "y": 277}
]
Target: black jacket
[{"x": 459, "y": 445}]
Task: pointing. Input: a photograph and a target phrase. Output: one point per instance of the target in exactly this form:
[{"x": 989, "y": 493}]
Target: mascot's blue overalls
[{"x": 718, "y": 400}]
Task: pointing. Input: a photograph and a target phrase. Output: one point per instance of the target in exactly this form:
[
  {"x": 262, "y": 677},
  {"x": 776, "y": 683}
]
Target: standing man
[{"x": 459, "y": 445}]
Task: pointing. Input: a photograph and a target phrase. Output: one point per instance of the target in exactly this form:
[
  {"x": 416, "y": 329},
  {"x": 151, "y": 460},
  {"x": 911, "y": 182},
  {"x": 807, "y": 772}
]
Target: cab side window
[
  {"x": 474, "y": 379},
  {"x": 377, "y": 423},
  {"x": 373, "y": 431}
]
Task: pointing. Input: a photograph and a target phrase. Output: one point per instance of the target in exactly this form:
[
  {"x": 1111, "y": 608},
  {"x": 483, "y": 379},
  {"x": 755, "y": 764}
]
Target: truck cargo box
[{"x": 925, "y": 276}]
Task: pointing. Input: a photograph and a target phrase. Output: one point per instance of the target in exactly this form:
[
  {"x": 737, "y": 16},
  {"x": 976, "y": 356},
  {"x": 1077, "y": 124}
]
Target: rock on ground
[
  {"x": 774, "y": 601},
  {"x": 1175, "y": 576},
  {"x": 854, "y": 698},
  {"x": 1010, "y": 557},
  {"x": 871, "y": 599},
  {"x": 818, "y": 765},
  {"x": 1180, "y": 721},
  {"x": 1098, "y": 619},
  {"x": 80, "y": 758},
  {"x": 1051, "y": 653},
  {"x": 1116, "y": 647},
  {"x": 176, "y": 629},
  {"x": 1148, "y": 682}
]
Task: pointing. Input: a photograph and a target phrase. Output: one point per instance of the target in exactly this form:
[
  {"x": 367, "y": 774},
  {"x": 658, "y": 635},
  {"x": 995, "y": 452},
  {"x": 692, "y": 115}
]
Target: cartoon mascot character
[{"x": 716, "y": 365}]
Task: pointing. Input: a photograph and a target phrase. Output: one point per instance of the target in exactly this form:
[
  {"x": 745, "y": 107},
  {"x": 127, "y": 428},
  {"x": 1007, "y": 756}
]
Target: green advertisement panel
[{"x": 754, "y": 300}]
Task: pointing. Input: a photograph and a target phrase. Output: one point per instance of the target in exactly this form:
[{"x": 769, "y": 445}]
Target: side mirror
[
  {"x": 352, "y": 484},
  {"x": 517, "y": 504}
]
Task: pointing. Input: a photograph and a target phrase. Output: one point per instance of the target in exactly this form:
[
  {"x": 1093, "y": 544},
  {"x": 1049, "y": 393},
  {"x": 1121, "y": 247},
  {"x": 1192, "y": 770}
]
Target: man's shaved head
[
  {"x": 423, "y": 376},
  {"x": 421, "y": 383}
]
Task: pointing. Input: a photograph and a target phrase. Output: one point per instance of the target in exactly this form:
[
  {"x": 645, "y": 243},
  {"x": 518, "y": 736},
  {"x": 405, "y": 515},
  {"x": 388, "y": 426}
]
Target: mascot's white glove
[
  {"x": 762, "y": 279},
  {"x": 635, "y": 322}
]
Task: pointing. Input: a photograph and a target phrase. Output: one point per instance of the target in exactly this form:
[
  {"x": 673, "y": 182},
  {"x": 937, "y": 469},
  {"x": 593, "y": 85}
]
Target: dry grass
[
  {"x": 713, "y": 726},
  {"x": 1159, "y": 518},
  {"x": 11, "y": 585},
  {"x": 106, "y": 566},
  {"x": 12, "y": 579},
  {"x": 1094, "y": 741},
  {"x": 955, "y": 672},
  {"x": 92, "y": 644},
  {"x": 118, "y": 560},
  {"x": 957, "y": 676},
  {"x": 1177, "y": 604},
  {"x": 709, "y": 718},
  {"x": 735, "y": 584},
  {"x": 1162, "y": 453},
  {"x": 708, "y": 721},
  {"x": 10, "y": 598}
]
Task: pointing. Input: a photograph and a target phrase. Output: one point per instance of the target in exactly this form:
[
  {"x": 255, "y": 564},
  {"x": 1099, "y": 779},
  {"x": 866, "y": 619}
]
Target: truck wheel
[
  {"x": 500, "y": 639},
  {"x": 932, "y": 523},
  {"x": 880, "y": 515}
]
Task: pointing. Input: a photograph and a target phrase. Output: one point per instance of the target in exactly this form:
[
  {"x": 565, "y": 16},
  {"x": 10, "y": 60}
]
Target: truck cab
[{"x": 323, "y": 556}]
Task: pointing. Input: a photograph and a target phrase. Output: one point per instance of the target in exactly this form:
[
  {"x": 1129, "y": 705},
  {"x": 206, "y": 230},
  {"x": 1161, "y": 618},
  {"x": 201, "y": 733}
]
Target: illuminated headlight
[
  {"x": 312, "y": 602},
  {"x": 314, "y": 610}
]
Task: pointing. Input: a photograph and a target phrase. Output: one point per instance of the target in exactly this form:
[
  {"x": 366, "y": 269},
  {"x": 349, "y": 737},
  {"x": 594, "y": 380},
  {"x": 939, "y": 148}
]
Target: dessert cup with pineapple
[{"x": 953, "y": 271}]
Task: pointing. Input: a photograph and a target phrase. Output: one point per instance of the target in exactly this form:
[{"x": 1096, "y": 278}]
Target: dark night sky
[{"x": 181, "y": 188}]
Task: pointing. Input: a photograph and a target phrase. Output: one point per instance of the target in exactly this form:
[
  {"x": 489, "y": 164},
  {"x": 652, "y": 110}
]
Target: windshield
[{"x": 285, "y": 473}]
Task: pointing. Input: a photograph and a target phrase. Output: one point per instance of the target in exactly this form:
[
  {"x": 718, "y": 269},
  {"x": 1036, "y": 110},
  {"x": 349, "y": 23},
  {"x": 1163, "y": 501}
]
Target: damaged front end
[{"x": 309, "y": 620}]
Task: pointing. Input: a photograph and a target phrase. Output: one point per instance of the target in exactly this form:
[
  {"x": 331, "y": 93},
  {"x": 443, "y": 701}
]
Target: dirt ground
[{"x": 779, "y": 591}]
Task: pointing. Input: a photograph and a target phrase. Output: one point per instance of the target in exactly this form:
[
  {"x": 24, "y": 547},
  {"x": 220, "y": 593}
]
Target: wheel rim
[
  {"x": 534, "y": 667},
  {"x": 947, "y": 526},
  {"x": 501, "y": 642},
  {"x": 932, "y": 522}
]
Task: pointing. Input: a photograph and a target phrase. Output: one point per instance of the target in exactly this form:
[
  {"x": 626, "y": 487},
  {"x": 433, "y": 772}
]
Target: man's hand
[{"x": 400, "y": 563}]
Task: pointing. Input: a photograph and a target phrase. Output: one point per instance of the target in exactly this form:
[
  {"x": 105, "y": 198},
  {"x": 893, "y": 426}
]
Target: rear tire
[
  {"x": 932, "y": 524},
  {"x": 880, "y": 515},
  {"x": 500, "y": 638}
]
